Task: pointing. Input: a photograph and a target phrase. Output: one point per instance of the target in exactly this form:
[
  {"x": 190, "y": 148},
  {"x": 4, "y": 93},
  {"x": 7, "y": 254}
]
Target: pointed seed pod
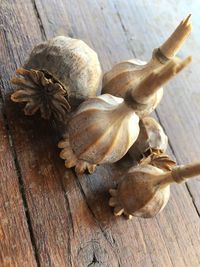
[
  {"x": 104, "y": 128},
  {"x": 144, "y": 190},
  {"x": 59, "y": 75},
  {"x": 126, "y": 75}
]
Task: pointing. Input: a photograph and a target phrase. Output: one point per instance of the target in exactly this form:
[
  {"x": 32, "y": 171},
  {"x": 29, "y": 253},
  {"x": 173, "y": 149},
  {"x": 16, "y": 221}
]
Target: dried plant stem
[
  {"x": 183, "y": 172},
  {"x": 179, "y": 174},
  {"x": 150, "y": 84},
  {"x": 173, "y": 44}
]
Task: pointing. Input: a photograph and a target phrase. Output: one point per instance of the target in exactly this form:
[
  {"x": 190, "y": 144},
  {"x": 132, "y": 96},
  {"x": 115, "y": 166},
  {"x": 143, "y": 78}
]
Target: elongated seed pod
[{"x": 128, "y": 74}]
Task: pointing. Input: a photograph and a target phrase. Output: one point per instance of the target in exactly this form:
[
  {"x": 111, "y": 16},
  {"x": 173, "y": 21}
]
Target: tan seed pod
[
  {"x": 104, "y": 128},
  {"x": 126, "y": 75},
  {"x": 151, "y": 139},
  {"x": 59, "y": 75},
  {"x": 101, "y": 131},
  {"x": 144, "y": 190}
]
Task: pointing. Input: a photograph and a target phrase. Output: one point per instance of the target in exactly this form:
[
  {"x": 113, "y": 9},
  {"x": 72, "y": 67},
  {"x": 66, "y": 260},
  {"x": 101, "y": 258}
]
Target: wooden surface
[{"x": 50, "y": 217}]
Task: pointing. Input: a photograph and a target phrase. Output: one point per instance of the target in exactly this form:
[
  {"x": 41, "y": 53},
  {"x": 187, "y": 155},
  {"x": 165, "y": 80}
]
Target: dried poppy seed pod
[
  {"x": 126, "y": 75},
  {"x": 105, "y": 127},
  {"x": 144, "y": 190},
  {"x": 151, "y": 139},
  {"x": 101, "y": 131},
  {"x": 59, "y": 75}
]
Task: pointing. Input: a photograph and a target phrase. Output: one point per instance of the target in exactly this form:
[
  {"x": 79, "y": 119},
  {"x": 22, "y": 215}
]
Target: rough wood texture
[
  {"x": 71, "y": 222},
  {"x": 15, "y": 241}
]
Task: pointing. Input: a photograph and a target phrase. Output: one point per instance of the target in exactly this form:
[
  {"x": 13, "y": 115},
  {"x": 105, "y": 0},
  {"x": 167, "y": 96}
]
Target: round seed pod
[
  {"x": 59, "y": 75},
  {"x": 144, "y": 190}
]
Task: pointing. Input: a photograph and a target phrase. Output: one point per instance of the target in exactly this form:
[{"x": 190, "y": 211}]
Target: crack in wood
[
  {"x": 176, "y": 158},
  {"x": 94, "y": 260},
  {"x": 193, "y": 200},
  {"x": 124, "y": 30},
  {"x": 37, "y": 14},
  {"x": 20, "y": 180},
  {"x": 70, "y": 222}
]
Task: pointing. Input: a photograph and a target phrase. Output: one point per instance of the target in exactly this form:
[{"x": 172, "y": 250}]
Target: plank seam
[
  {"x": 39, "y": 19},
  {"x": 70, "y": 221},
  {"x": 124, "y": 30},
  {"x": 176, "y": 158},
  {"x": 20, "y": 180},
  {"x": 44, "y": 38}
]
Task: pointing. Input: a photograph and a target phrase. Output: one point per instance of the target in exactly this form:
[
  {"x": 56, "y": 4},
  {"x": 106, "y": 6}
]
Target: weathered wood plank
[
  {"x": 15, "y": 242},
  {"x": 41, "y": 169},
  {"x": 34, "y": 142},
  {"x": 71, "y": 221},
  {"x": 137, "y": 242}
]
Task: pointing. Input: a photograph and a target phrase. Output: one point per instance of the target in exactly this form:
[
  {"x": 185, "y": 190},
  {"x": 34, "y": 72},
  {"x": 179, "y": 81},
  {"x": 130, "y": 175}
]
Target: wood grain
[
  {"x": 16, "y": 248},
  {"x": 71, "y": 222},
  {"x": 34, "y": 141},
  {"x": 109, "y": 37}
]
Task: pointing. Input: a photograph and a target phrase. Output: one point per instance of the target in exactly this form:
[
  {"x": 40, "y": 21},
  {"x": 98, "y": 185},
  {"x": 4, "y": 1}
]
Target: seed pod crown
[{"x": 57, "y": 77}]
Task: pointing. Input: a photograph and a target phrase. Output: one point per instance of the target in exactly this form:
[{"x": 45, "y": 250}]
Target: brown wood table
[{"x": 48, "y": 215}]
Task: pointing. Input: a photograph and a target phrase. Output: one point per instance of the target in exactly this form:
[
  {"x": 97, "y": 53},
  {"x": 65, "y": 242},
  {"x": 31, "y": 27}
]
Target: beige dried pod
[
  {"x": 59, "y": 75},
  {"x": 144, "y": 190},
  {"x": 126, "y": 75},
  {"x": 101, "y": 131},
  {"x": 151, "y": 139},
  {"x": 104, "y": 128}
]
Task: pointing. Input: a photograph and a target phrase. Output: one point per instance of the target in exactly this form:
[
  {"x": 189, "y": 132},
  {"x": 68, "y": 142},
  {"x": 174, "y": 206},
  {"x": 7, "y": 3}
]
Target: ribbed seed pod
[
  {"x": 151, "y": 139},
  {"x": 102, "y": 131},
  {"x": 105, "y": 127},
  {"x": 59, "y": 75},
  {"x": 126, "y": 75},
  {"x": 144, "y": 190}
]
